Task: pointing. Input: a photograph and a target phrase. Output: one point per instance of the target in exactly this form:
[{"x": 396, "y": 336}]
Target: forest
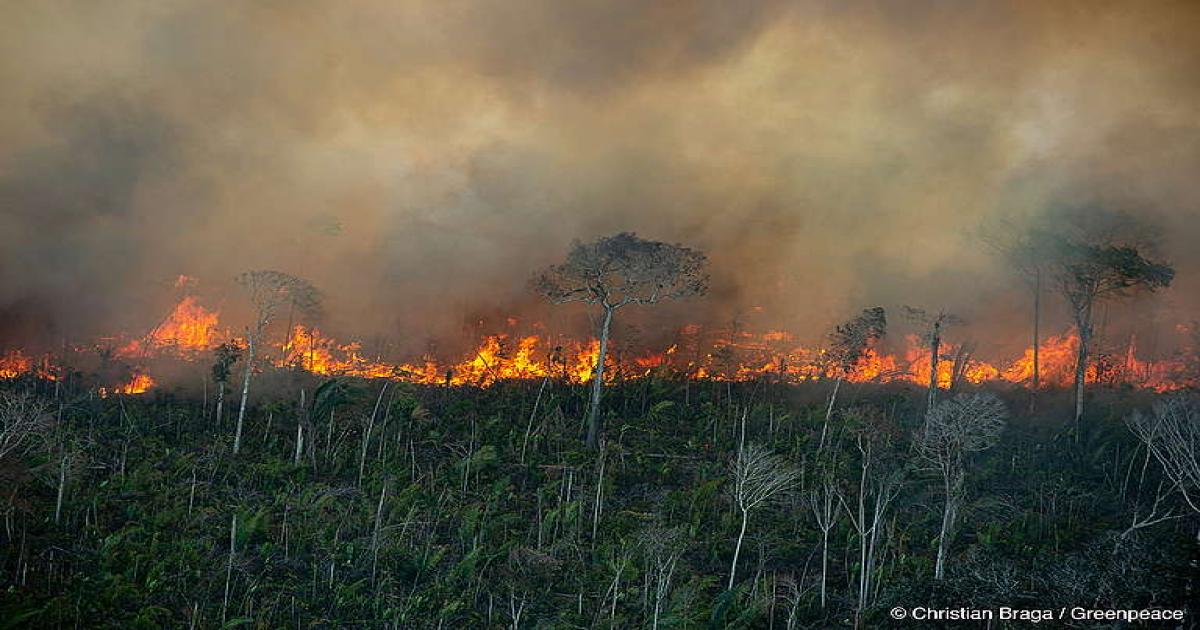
[{"x": 450, "y": 507}]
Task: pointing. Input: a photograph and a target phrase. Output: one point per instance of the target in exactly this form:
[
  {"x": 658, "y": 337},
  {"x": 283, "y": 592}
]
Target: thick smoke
[{"x": 418, "y": 160}]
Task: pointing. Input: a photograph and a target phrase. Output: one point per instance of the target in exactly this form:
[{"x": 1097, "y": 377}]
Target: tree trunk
[
  {"x": 593, "y": 434},
  {"x": 935, "y": 342},
  {"x": 220, "y": 403},
  {"x": 1084, "y": 324},
  {"x": 62, "y": 487},
  {"x": 1037, "y": 320},
  {"x": 237, "y": 435},
  {"x": 949, "y": 515},
  {"x": 824, "y": 563},
  {"x": 829, "y": 410},
  {"x": 737, "y": 549}
]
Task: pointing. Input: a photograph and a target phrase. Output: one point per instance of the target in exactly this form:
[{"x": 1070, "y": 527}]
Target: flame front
[{"x": 190, "y": 331}]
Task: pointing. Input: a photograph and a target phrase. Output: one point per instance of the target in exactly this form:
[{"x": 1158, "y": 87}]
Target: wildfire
[{"x": 191, "y": 330}]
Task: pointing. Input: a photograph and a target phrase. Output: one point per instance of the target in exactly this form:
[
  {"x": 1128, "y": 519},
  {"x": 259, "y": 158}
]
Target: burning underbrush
[{"x": 188, "y": 335}]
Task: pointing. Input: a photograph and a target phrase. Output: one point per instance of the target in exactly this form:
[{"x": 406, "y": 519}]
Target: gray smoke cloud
[{"x": 418, "y": 160}]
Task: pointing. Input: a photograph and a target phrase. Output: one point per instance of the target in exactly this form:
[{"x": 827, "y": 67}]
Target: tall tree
[
  {"x": 269, "y": 291},
  {"x": 848, "y": 342},
  {"x": 1088, "y": 272},
  {"x": 613, "y": 272},
  {"x": 953, "y": 429},
  {"x": 1027, "y": 251}
]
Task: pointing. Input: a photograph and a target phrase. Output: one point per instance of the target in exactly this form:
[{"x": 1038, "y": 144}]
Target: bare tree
[
  {"x": 23, "y": 417},
  {"x": 964, "y": 424},
  {"x": 661, "y": 548},
  {"x": 879, "y": 483},
  {"x": 1172, "y": 434},
  {"x": 932, "y": 323},
  {"x": 269, "y": 291},
  {"x": 848, "y": 342},
  {"x": 823, "y": 502},
  {"x": 758, "y": 477},
  {"x": 616, "y": 271}
]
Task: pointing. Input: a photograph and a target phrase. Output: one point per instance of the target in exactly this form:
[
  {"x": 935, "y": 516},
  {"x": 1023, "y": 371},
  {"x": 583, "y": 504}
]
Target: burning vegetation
[{"x": 191, "y": 332}]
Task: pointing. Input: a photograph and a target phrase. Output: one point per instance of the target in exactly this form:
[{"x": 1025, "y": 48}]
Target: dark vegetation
[{"x": 415, "y": 507}]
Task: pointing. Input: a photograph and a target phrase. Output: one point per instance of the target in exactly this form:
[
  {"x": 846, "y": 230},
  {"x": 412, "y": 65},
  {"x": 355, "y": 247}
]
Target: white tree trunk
[
  {"x": 593, "y": 434},
  {"x": 737, "y": 549},
  {"x": 237, "y": 436}
]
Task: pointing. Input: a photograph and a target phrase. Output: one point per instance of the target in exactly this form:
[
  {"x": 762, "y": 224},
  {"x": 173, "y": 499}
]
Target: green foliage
[{"x": 449, "y": 527}]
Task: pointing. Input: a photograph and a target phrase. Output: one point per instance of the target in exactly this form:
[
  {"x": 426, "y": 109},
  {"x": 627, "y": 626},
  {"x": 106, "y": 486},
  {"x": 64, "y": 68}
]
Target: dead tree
[
  {"x": 23, "y": 417},
  {"x": 932, "y": 325},
  {"x": 661, "y": 549},
  {"x": 1088, "y": 272},
  {"x": 758, "y": 477},
  {"x": 616, "y": 271},
  {"x": 880, "y": 479},
  {"x": 847, "y": 343},
  {"x": 269, "y": 291},
  {"x": 1171, "y": 432},
  {"x": 953, "y": 429},
  {"x": 823, "y": 502}
]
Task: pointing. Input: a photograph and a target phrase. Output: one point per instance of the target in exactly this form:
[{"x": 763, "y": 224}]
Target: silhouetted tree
[
  {"x": 932, "y": 325},
  {"x": 848, "y": 342},
  {"x": 1028, "y": 252},
  {"x": 616, "y": 271},
  {"x": 1088, "y": 272}
]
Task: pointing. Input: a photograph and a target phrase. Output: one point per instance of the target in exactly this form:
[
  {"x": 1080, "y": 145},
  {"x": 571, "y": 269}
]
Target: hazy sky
[{"x": 418, "y": 160}]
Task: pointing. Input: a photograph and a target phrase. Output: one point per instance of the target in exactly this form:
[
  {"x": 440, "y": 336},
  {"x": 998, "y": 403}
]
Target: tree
[
  {"x": 880, "y": 478},
  {"x": 848, "y": 342},
  {"x": 269, "y": 291},
  {"x": 1171, "y": 432},
  {"x": 758, "y": 476},
  {"x": 22, "y": 417},
  {"x": 822, "y": 501},
  {"x": 225, "y": 355},
  {"x": 615, "y": 271},
  {"x": 932, "y": 324},
  {"x": 1027, "y": 251},
  {"x": 954, "y": 428},
  {"x": 1088, "y": 272}
]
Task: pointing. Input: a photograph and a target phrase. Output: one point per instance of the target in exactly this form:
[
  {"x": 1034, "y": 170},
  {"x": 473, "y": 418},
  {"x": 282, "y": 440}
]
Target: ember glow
[{"x": 190, "y": 331}]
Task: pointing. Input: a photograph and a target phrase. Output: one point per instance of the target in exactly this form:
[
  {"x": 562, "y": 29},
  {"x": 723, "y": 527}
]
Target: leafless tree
[
  {"x": 932, "y": 325},
  {"x": 758, "y": 477},
  {"x": 269, "y": 291},
  {"x": 1172, "y": 434},
  {"x": 848, "y": 342},
  {"x": 955, "y": 427},
  {"x": 822, "y": 500},
  {"x": 661, "y": 549},
  {"x": 23, "y": 417},
  {"x": 880, "y": 479},
  {"x": 616, "y": 271}
]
